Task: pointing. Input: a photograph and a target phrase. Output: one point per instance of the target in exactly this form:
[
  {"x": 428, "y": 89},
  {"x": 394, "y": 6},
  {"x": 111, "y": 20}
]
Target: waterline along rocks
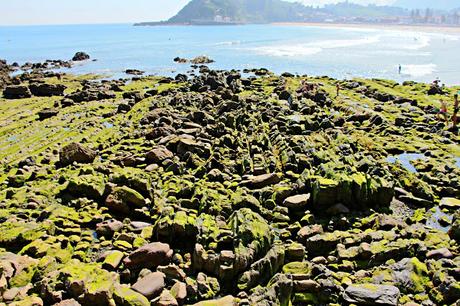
[{"x": 226, "y": 188}]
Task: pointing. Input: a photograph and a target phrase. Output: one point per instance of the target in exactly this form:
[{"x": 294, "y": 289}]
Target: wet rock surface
[{"x": 226, "y": 189}]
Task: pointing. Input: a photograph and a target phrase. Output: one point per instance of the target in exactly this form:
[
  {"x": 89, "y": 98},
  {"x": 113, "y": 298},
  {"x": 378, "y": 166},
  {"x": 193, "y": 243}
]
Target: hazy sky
[{"x": 23, "y": 12}]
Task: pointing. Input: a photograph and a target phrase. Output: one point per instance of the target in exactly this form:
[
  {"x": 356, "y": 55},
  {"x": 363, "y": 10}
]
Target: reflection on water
[
  {"x": 405, "y": 160},
  {"x": 434, "y": 215}
]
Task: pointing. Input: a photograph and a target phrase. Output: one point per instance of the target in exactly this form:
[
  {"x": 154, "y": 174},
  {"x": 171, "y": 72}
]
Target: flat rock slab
[
  {"x": 449, "y": 203},
  {"x": 297, "y": 201},
  {"x": 370, "y": 294},
  {"x": 150, "y": 285}
]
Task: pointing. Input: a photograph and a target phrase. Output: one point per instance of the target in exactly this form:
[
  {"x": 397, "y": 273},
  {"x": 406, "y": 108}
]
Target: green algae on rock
[{"x": 228, "y": 188}]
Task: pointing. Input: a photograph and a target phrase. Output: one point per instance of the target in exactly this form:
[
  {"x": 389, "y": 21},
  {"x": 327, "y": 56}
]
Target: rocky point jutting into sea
[{"x": 225, "y": 188}]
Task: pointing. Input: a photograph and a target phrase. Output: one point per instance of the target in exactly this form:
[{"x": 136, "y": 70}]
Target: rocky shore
[{"x": 226, "y": 188}]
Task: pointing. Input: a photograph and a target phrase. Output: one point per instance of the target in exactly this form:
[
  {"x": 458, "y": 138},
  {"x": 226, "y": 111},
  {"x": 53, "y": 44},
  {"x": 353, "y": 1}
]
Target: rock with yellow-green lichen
[
  {"x": 225, "y": 301},
  {"x": 76, "y": 152},
  {"x": 124, "y": 296},
  {"x": 357, "y": 191},
  {"x": 239, "y": 183},
  {"x": 17, "y": 270},
  {"x": 89, "y": 186},
  {"x": 124, "y": 199},
  {"x": 113, "y": 260},
  {"x": 454, "y": 231},
  {"x": 277, "y": 292},
  {"x": 262, "y": 270},
  {"x": 15, "y": 235},
  {"x": 133, "y": 178},
  {"x": 85, "y": 282},
  {"x": 449, "y": 203},
  {"x": 370, "y": 294},
  {"x": 28, "y": 301}
]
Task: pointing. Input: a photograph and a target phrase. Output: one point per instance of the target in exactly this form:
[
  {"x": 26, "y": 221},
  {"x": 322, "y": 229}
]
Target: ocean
[{"x": 333, "y": 51}]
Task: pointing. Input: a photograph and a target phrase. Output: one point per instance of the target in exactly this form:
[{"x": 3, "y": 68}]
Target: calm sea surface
[{"x": 341, "y": 53}]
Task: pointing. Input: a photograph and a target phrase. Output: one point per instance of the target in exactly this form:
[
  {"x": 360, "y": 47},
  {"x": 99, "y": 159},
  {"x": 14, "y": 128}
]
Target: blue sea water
[{"x": 337, "y": 52}]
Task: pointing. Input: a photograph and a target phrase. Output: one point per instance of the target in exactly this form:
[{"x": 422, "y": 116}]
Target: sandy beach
[{"x": 397, "y": 27}]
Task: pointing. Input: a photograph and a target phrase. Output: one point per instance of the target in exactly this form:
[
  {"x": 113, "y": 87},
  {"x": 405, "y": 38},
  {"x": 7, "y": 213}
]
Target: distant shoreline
[{"x": 424, "y": 28}]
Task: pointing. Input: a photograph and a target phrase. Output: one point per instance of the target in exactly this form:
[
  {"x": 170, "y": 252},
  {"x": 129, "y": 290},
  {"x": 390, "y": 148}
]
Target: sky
[{"x": 32, "y": 12}]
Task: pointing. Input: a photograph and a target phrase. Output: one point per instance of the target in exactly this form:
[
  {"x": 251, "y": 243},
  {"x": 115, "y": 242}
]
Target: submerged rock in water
[{"x": 80, "y": 56}]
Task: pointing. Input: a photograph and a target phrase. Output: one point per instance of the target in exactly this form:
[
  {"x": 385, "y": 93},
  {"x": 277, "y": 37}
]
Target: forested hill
[{"x": 268, "y": 11}]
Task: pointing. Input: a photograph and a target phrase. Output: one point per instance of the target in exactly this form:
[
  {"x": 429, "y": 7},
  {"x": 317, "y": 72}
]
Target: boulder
[
  {"x": 439, "y": 253},
  {"x": 89, "y": 186},
  {"x": 262, "y": 270},
  {"x": 179, "y": 292},
  {"x": 159, "y": 154},
  {"x": 69, "y": 302},
  {"x": 108, "y": 228},
  {"x": 277, "y": 292},
  {"x": 454, "y": 231},
  {"x": 16, "y": 92},
  {"x": 112, "y": 260},
  {"x": 297, "y": 202},
  {"x": 124, "y": 296},
  {"x": 80, "y": 56},
  {"x": 449, "y": 203},
  {"x": 150, "y": 285},
  {"x": 225, "y": 301},
  {"x": 261, "y": 181},
  {"x": 134, "y": 72},
  {"x": 124, "y": 199},
  {"x": 370, "y": 294},
  {"x": 76, "y": 152},
  {"x": 166, "y": 299},
  {"x": 149, "y": 256},
  {"x": 358, "y": 191},
  {"x": 47, "y": 90},
  {"x": 47, "y": 113},
  {"x": 201, "y": 60}
]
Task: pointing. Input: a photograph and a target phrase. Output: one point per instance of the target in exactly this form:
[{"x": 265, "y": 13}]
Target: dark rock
[
  {"x": 134, "y": 72},
  {"x": 159, "y": 154},
  {"x": 180, "y": 60},
  {"x": 47, "y": 113},
  {"x": 17, "y": 92},
  {"x": 47, "y": 90},
  {"x": 201, "y": 60},
  {"x": 76, "y": 152},
  {"x": 80, "y": 56}
]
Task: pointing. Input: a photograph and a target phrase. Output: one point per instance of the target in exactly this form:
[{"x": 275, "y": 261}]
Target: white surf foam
[
  {"x": 314, "y": 47},
  {"x": 287, "y": 50},
  {"x": 228, "y": 43},
  {"x": 418, "y": 70}
]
